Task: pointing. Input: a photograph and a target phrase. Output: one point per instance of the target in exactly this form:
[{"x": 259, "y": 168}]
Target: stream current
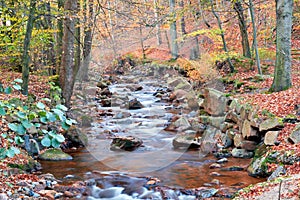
[{"x": 127, "y": 175}]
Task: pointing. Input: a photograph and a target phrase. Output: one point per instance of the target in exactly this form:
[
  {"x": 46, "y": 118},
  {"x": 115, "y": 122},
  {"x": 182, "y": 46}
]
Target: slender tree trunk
[
  {"x": 222, "y": 35},
  {"x": 88, "y": 40},
  {"x": 157, "y": 23},
  {"x": 77, "y": 41},
  {"x": 254, "y": 37},
  {"x": 243, "y": 28},
  {"x": 50, "y": 52},
  {"x": 59, "y": 37},
  {"x": 112, "y": 34},
  {"x": 182, "y": 19},
  {"x": 67, "y": 68},
  {"x": 173, "y": 31},
  {"x": 282, "y": 75},
  {"x": 25, "y": 57}
]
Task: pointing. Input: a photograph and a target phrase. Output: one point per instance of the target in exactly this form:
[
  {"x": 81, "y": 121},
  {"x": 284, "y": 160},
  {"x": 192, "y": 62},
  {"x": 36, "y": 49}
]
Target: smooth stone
[{"x": 55, "y": 155}]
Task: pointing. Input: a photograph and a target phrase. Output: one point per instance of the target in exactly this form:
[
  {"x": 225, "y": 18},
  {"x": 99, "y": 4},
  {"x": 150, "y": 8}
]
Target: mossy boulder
[
  {"x": 55, "y": 155},
  {"x": 75, "y": 137},
  {"x": 259, "y": 164}
]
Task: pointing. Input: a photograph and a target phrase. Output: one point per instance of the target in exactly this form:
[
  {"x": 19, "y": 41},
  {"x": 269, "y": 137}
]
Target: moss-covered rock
[{"x": 54, "y": 155}]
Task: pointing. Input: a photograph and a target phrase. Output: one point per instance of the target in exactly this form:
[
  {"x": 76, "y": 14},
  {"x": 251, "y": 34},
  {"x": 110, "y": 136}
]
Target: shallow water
[{"x": 156, "y": 158}]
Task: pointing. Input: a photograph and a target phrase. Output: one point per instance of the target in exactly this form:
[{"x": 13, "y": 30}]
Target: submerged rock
[
  {"x": 134, "y": 104},
  {"x": 55, "y": 155},
  {"x": 125, "y": 143}
]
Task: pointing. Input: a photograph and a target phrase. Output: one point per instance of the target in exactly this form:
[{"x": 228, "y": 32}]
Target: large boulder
[
  {"x": 54, "y": 155},
  {"x": 241, "y": 153},
  {"x": 75, "y": 137},
  {"x": 186, "y": 140},
  {"x": 248, "y": 131},
  {"x": 271, "y": 137},
  {"x": 271, "y": 123},
  {"x": 215, "y": 102},
  {"x": 208, "y": 140}
]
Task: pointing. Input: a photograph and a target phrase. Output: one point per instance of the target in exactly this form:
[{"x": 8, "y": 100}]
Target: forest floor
[{"x": 281, "y": 104}]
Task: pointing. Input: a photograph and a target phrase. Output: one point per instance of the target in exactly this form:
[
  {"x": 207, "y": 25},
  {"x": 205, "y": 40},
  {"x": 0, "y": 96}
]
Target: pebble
[
  {"x": 222, "y": 160},
  {"x": 215, "y": 174},
  {"x": 215, "y": 165}
]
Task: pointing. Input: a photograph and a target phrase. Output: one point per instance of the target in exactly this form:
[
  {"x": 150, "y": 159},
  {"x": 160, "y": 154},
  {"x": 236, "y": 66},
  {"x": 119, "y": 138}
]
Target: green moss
[{"x": 55, "y": 155}]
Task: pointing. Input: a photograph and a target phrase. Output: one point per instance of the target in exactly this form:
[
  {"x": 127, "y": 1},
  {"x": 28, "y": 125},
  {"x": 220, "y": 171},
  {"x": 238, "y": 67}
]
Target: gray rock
[
  {"x": 280, "y": 171},
  {"x": 295, "y": 135},
  {"x": 76, "y": 137},
  {"x": 186, "y": 141},
  {"x": 241, "y": 153},
  {"x": 134, "y": 104},
  {"x": 215, "y": 102},
  {"x": 271, "y": 137},
  {"x": 54, "y": 155},
  {"x": 125, "y": 143},
  {"x": 182, "y": 122},
  {"x": 248, "y": 131},
  {"x": 208, "y": 140},
  {"x": 270, "y": 124}
]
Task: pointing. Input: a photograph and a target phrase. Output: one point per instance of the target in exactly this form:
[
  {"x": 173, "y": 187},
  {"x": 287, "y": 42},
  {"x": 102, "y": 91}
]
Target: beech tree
[
  {"x": 25, "y": 57},
  {"x": 67, "y": 68},
  {"x": 173, "y": 30},
  {"x": 282, "y": 75}
]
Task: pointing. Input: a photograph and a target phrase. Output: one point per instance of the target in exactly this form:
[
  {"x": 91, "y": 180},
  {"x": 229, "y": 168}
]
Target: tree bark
[
  {"x": 254, "y": 37},
  {"x": 25, "y": 57},
  {"x": 222, "y": 35},
  {"x": 282, "y": 75},
  {"x": 182, "y": 19},
  {"x": 243, "y": 28},
  {"x": 157, "y": 23},
  {"x": 59, "y": 39},
  {"x": 173, "y": 31},
  {"x": 88, "y": 40},
  {"x": 67, "y": 68}
]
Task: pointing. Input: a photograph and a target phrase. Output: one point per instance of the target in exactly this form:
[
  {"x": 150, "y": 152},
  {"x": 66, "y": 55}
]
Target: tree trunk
[
  {"x": 67, "y": 68},
  {"x": 157, "y": 23},
  {"x": 59, "y": 39},
  {"x": 77, "y": 42},
  {"x": 243, "y": 29},
  {"x": 254, "y": 37},
  {"x": 88, "y": 40},
  {"x": 182, "y": 20},
  {"x": 173, "y": 31},
  {"x": 222, "y": 35},
  {"x": 282, "y": 75},
  {"x": 25, "y": 57}
]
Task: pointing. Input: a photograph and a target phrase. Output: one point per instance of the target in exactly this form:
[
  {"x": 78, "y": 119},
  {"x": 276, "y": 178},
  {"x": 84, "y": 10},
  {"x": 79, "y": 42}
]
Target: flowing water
[{"x": 115, "y": 170}]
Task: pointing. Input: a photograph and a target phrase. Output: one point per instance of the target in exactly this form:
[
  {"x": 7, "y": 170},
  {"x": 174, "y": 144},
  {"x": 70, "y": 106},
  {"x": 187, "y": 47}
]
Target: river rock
[
  {"x": 271, "y": 123},
  {"x": 271, "y": 137},
  {"x": 258, "y": 166},
  {"x": 134, "y": 104},
  {"x": 241, "y": 153},
  {"x": 295, "y": 135},
  {"x": 204, "y": 192},
  {"x": 186, "y": 141},
  {"x": 279, "y": 171},
  {"x": 231, "y": 116},
  {"x": 182, "y": 122},
  {"x": 248, "y": 145},
  {"x": 235, "y": 106},
  {"x": 237, "y": 140},
  {"x": 208, "y": 140},
  {"x": 248, "y": 131},
  {"x": 54, "y": 155},
  {"x": 75, "y": 137},
  {"x": 215, "y": 102},
  {"x": 125, "y": 143}
]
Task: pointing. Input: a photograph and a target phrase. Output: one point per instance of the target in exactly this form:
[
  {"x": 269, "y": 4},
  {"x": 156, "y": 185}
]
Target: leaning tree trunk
[
  {"x": 67, "y": 68},
  {"x": 25, "y": 57},
  {"x": 254, "y": 37},
  {"x": 222, "y": 35},
  {"x": 173, "y": 31},
  {"x": 282, "y": 75},
  {"x": 243, "y": 29}
]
